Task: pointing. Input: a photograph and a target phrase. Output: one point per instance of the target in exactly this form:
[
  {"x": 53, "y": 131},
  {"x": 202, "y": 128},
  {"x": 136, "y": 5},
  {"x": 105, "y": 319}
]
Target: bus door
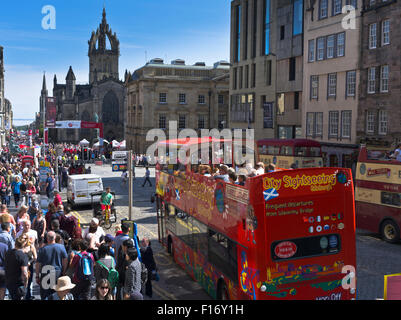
[{"x": 161, "y": 223}]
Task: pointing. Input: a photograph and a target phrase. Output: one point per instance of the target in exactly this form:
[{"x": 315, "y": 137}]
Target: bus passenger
[
  {"x": 232, "y": 177},
  {"x": 260, "y": 168},
  {"x": 241, "y": 180},
  {"x": 397, "y": 153},
  {"x": 271, "y": 167},
  {"x": 223, "y": 173}
]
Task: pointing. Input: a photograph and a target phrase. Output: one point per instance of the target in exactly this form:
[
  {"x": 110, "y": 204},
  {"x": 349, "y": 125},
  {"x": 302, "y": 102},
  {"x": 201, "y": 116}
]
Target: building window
[
  {"x": 298, "y": 17},
  {"x": 292, "y": 68},
  {"x": 253, "y": 75},
  {"x": 370, "y": 121},
  {"x": 182, "y": 98},
  {"x": 372, "y": 80},
  {"x": 372, "y": 36},
  {"x": 384, "y": 79},
  {"x": 235, "y": 78},
  {"x": 320, "y": 48},
  {"x": 337, "y": 7},
  {"x": 385, "y": 32},
  {"x": 162, "y": 97},
  {"x": 296, "y": 100},
  {"x": 346, "y": 124},
  {"x": 351, "y": 84},
  {"x": 162, "y": 121},
  {"x": 341, "y": 44},
  {"x": 311, "y": 50},
  {"x": 201, "y": 121},
  {"x": 314, "y": 87},
  {"x": 220, "y": 99},
  {"x": 247, "y": 76},
  {"x": 351, "y": 3},
  {"x": 267, "y": 28},
  {"x": 181, "y": 121},
  {"x": 201, "y": 99},
  {"x": 383, "y": 122},
  {"x": 323, "y": 6},
  {"x": 314, "y": 124},
  {"x": 241, "y": 75},
  {"x": 333, "y": 124},
  {"x": 282, "y": 32},
  {"x": 255, "y": 26},
  {"x": 238, "y": 34},
  {"x": 330, "y": 46},
  {"x": 268, "y": 72},
  {"x": 332, "y": 84}
]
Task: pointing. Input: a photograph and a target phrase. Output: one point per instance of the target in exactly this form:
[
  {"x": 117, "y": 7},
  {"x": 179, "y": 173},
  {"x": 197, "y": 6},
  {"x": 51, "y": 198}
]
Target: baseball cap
[{"x": 109, "y": 238}]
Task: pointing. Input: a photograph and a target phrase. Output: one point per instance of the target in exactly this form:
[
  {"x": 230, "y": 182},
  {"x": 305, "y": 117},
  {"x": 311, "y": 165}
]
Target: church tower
[
  {"x": 43, "y": 97},
  {"x": 104, "y": 52}
]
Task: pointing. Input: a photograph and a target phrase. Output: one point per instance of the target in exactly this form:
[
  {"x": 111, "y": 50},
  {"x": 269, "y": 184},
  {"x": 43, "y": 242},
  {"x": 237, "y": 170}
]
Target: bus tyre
[
  {"x": 222, "y": 292},
  {"x": 390, "y": 231},
  {"x": 170, "y": 247}
]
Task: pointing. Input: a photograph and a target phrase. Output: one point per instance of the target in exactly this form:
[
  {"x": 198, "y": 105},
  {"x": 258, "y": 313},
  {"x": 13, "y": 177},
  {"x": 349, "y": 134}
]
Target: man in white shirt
[
  {"x": 93, "y": 234},
  {"x": 397, "y": 153},
  {"x": 260, "y": 168}
]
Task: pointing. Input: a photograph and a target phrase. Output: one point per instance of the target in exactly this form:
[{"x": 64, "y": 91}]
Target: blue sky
[{"x": 193, "y": 30}]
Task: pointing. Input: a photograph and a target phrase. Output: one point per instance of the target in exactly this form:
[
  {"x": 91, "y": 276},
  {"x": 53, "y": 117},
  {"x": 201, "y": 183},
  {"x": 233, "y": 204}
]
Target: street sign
[{"x": 119, "y": 155}]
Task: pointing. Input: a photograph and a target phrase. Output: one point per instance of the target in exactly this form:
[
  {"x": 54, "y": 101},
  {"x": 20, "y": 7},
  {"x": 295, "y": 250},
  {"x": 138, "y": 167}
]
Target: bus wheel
[
  {"x": 222, "y": 292},
  {"x": 390, "y": 231},
  {"x": 170, "y": 248}
]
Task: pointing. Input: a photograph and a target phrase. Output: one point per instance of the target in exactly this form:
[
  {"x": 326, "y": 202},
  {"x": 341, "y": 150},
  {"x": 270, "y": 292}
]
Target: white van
[{"x": 80, "y": 187}]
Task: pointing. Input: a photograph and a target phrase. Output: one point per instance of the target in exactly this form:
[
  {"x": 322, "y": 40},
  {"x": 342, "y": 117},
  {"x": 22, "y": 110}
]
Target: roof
[
  {"x": 70, "y": 75},
  {"x": 291, "y": 142}
]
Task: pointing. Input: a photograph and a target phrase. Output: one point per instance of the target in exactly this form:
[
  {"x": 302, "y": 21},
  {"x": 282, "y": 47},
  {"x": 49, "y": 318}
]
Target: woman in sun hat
[{"x": 62, "y": 288}]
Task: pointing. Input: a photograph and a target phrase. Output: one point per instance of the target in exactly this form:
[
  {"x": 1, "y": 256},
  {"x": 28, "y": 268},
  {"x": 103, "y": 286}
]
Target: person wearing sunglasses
[{"x": 103, "y": 290}]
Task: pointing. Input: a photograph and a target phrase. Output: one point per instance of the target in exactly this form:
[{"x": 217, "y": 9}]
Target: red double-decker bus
[{"x": 289, "y": 234}]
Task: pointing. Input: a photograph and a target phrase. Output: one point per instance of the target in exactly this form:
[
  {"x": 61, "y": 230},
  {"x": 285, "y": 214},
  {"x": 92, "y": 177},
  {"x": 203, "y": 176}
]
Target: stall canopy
[
  {"x": 122, "y": 145},
  {"x": 84, "y": 142},
  {"x": 115, "y": 144}
]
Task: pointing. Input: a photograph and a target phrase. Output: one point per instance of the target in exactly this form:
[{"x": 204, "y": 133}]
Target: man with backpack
[
  {"x": 105, "y": 267},
  {"x": 51, "y": 263},
  {"x": 83, "y": 264}
]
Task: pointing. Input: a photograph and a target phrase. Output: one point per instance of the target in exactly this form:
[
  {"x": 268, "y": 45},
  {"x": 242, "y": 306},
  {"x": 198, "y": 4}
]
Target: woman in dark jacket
[{"x": 150, "y": 264}]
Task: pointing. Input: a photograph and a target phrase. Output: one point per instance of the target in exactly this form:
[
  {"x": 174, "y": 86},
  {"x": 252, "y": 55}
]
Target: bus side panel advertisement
[
  {"x": 310, "y": 234},
  {"x": 284, "y": 235}
]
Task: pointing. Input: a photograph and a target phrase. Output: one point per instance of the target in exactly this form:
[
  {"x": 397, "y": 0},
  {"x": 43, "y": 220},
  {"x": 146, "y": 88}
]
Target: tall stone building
[
  {"x": 380, "y": 91},
  {"x": 2, "y": 102},
  {"x": 195, "y": 96},
  {"x": 102, "y": 99},
  {"x": 266, "y": 75},
  {"x": 331, "y": 79}
]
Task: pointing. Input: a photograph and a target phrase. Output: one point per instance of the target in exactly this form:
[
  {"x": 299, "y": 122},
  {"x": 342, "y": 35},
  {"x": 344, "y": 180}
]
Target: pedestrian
[
  {"x": 62, "y": 289},
  {"x": 33, "y": 207},
  {"x": 3, "y": 251},
  {"x": 120, "y": 238},
  {"x": 94, "y": 234},
  {"x": 39, "y": 224},
  {"x": 121, "y": 265},
  {"x": 109, "y": 241},
  {"x": 16, "y": 270},
  {"x": 5, "y": 236},
  {"x": 132, "y": 281},
  {"x": 30, "y": 250},
  {"x": 57, "y": 198},
  {"x": 104, "y": 264},
  {"x": 147, "y": 176},
  {"x": 50, "y": 184},
  {"x": 83, "y": 263},
  {"x": 21, "y": 216},
  {"x": 52, "y": 262},
  {"x": 65, "y": 237},
  {"x": 103, "y": 290},
  {"x": 150, "y": 264},
  {"x": 16, "y": 189}
]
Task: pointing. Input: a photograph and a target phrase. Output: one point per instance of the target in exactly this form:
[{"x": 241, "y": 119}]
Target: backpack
[
  {"x": 70, "y": 224},
  {"x": 113, "y": 276},
  {"x": 85, "y": 267}
]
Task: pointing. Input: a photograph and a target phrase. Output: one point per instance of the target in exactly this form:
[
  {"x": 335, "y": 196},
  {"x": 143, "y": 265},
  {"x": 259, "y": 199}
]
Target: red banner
[{"x": 51, "y": 112}]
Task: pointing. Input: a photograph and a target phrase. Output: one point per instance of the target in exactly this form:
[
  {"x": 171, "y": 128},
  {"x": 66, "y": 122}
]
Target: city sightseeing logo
[{"x": 322, "y": 182}]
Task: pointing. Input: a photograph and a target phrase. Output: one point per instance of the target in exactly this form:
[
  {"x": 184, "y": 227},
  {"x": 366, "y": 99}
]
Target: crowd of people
[{"x": 47, "y": 246}]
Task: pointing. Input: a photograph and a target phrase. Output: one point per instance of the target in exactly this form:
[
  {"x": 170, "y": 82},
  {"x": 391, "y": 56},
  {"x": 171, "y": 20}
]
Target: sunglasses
[{"x": 104, "y": 288}]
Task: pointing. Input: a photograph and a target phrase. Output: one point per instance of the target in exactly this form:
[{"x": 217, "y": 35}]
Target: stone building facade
[
  {"x": 5, "y": 104},
  {"x": 195, "y": 96},
  {"x": 266, "y": 75},
  {"x": 331, "y": 74},
  {"x": 380, "y": 91},
  {"x": 101, "y": 100}
]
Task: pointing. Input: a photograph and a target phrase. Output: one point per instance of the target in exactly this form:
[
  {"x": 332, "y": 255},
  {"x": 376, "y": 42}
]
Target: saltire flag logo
[
  {"x": 177, "y": 194},
  {"x": 270, "y": 194}
]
